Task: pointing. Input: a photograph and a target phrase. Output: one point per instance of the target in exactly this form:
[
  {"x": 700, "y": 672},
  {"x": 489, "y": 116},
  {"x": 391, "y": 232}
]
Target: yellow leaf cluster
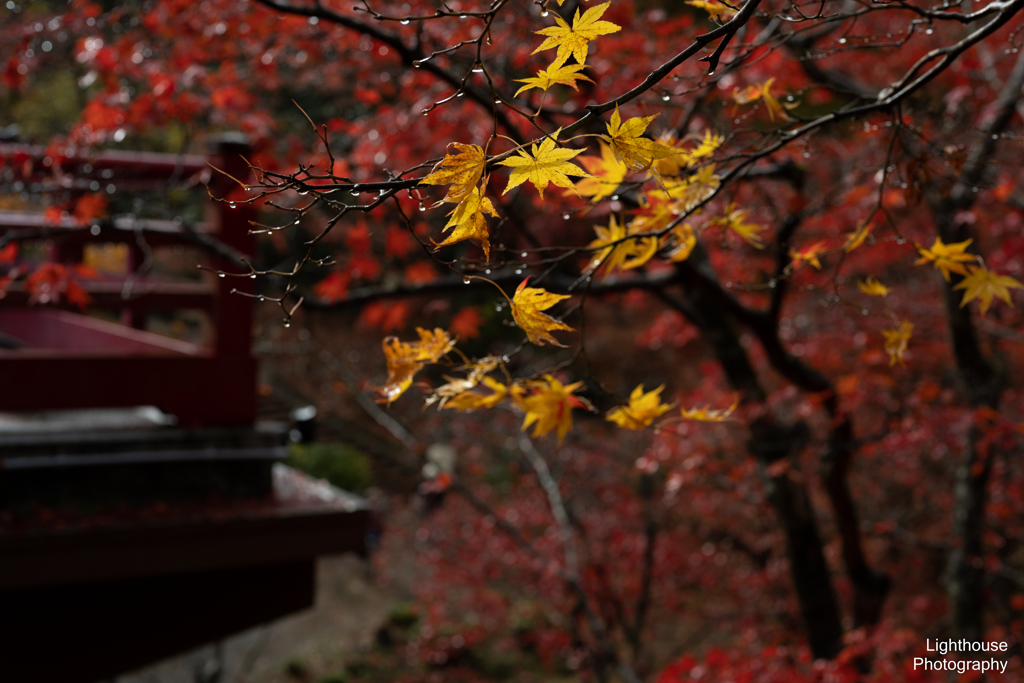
[
  {"x": 873, "y": 287},
  {"x": 808, "y": 255},
  {"x": 477, "y": 373},
  {"x": 547, "y": 404},
  {"x": 896, "y": 341},
  {"x": 857, "y": 237},
  {"x": 706, "y": 414},
  {"x": 570, "y": 41},
  {"x": 658, "y": 209},
  {"x": 405, "y": 359},
  {"x": 716, "y": 10},
  {"x": 674, "y": 165},
  {"x": 527, "y": 306},
  {"x": 683, "y": 241},
  {"x": 736, "y": 220},
  {"x": 948, "y": 258},
  {"x": 661, "y": 206},
  {"x": 462, "y": 170},
  {"x": 637, "y": 153},
  {"x": 763, "y": 92},
  {"x": 688, "y": 192},
  {"x": 616, "y": 254},
  {"x": 982, "y": 284},
  {"x": 471, "y": 400},
  {"x": 467, "y": 221},
  {"x": 606, "y": 174},
  {"x": 643, "y": 409}
]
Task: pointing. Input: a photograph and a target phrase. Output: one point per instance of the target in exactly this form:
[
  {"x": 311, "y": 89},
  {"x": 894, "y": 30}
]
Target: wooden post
[{"x": 232, "y": 314}]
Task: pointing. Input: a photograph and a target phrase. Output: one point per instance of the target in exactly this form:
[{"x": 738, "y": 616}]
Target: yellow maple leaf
[
  {"x": 454, "y": 387},
  {"x": 948, "y": 258},
  {"x": 606, "y": 174},
  {"x": 695, "y": 188},
  {"x": 896, "y": 341},
  {"x": 467, "y": 221},
  {"x": 527, "y": 305},
  {"x": 706, "y": 414},
  {"x": 706, "y": 147},
  {"x": 873, "y": 287},
  {"x": 982, "y": 284},
  {"x": 461, "y": 170},
  {"x": 644, "y": 249},
  {"x": 657, "y": 210},
  {"x": 481, "y": 366},
  {"x": 625, "y": 255},
  {"x": 857, "y": 237},
  {"x": 566, "y": 74},
  {"x": 763, "y": 92},
  {"x": 715, "y": 9},
  {"x": 471, "y": 400},
  {"x": 684, "y": 240},
  {"x": 547, "y": 403},
  {"x": 546, "y": 165},
  {"x": 808, "y": 255},
  {"x": 675, "y": 165},
  {"x": 401, "y": 369},
  {"x": 610, "y": 255},
  {"x": 636, "y": 152},
  {"x": 478, "y": 370},
  {"x": 736, "y": 220},
  {"x": 405, "y": 359},
  {"x": 672, "y": 165},
  {"x": 432, "y": 346},
  {"x": 643, "y": 409},
  {"x": 574, "y": 40}
]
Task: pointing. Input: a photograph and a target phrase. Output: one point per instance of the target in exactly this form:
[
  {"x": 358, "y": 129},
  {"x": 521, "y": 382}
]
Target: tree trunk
[
  {"x": 870, "y": 587},
  {"x": 965, "y": 573},
  {"x": 812, "y": 580},
  {"x": 770, "y": 443}
]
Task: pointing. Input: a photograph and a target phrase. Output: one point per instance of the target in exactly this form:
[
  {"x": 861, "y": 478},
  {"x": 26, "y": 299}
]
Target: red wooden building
[{"x": 143, "y": 508}]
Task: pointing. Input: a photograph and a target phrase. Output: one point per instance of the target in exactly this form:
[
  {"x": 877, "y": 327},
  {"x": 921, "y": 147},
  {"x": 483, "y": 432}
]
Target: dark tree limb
[
  {"x": 965, "y": 575},
  {"x": 771, "y": 443},
  {"x": 870, "y": 587}
]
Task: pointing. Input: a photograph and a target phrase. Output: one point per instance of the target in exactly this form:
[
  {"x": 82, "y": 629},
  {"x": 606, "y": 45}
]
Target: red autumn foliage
[
  {"x": 830, "y": 480},
  {"x": 466, "y": 323}
]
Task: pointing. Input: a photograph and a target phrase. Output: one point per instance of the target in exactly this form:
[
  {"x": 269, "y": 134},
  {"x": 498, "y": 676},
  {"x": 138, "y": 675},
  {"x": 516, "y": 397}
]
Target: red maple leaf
[
  {"x": 76, "y": 295},
  {"x": 89, "y": 207},
  {"x": 54, "y": 215},
  {"x": 333, "y": 287},
  {"x": 421, "y": 271},
  {"x": 387, "y": 316},
  {"x": 358, "y": 238},
  {"x": 9, "y": 253},
  {"x": 466, "y": 323},
  {"x": 363, "y": 267},
  {"x": 398, "y": 242}
]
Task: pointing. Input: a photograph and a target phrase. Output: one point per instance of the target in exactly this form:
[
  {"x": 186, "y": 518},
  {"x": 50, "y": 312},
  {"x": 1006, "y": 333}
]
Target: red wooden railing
[{"x": 65, "y": 359}]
